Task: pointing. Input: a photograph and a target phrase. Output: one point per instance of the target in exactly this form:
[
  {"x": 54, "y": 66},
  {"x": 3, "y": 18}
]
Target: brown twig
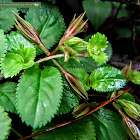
[{"x": 69, "y": 122}]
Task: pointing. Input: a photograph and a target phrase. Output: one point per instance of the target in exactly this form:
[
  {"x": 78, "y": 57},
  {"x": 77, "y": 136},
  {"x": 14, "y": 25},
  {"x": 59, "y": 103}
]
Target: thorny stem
[
  {"x": 56, "y": 56},
  {"x": 69, "y": 122}
]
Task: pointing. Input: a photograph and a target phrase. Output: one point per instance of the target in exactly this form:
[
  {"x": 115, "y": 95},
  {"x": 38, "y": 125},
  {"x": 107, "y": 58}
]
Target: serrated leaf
[
  {"x": 21, "y": 55},
  {"x": 97, "y": 11},
  {"x": 16, "y": 40},
  {"x": 7, "y": 20},
  {"x": 42, "y": 91},
  {"x": 5, "y": 123},
  {"x": 134, "y": 77},
  {"x": 8, "y": 96},
  {"x": 48, "y": 22},
  {"x": 69, "y": 99},
  {"x": 3, "y": 46},
  {"x": 11, "y": 65},
  {"x": 82, "y": 75},
  {"x": 80, "y": 130},
  {"x": 108, "y": 125},
  {"x": 96, "y": 47},
  {"x": 107, "y": 79}
]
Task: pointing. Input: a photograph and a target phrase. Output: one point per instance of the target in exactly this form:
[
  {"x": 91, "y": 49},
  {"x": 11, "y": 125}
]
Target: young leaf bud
[
  {"x": 76, "y": 26},
  {"x": 132, "y": 109},
  {"x": 76, "y": 43},
  {"x": 81, "y": 110}
]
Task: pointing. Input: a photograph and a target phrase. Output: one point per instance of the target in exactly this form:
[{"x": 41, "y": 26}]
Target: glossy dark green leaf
[
  {"x": 108, "y": 125},
  {"x": 107, "y": 78},
  {"x": 79, "y": 130}
]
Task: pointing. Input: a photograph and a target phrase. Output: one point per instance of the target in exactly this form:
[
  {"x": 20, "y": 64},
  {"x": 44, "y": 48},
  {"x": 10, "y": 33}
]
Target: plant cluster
[{"x": 47, "y": 91}]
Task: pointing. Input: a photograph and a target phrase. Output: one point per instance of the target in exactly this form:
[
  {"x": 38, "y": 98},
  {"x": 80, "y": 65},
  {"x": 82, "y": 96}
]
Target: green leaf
[
  {"x": 82, "y": 75},
  {"x": 80, "y": 130},
  {"x": 7, "y": 18},
  {"x": 97, "y": 11},
  {"x": 16, "y": 40},
  {"x": 107, "y": 79},
  {"x": 126, "y": 96},
  {"x": 8, "y": 96},
  {"x": 49, "y": 23},
  {"x": 11, "y": 65},
  {"x": 21, "y": 55},
  {"x": 5, "y": 123},
  {"x": 108, "y": 125},
  {"x": 42, "y": 92},
  {"x": 3, "y": 46},
  {"x": 86, "y": 63},
  {"x": 122, "y": 12},
  {"x": 96, "y": 47},
  {"x": 135, "y": 77},
  {"x": 69, "y": 99}
]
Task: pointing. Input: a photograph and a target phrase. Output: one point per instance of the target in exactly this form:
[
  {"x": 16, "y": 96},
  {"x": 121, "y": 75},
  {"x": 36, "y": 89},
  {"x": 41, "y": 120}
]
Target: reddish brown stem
[{"x": 63, "y": 124}]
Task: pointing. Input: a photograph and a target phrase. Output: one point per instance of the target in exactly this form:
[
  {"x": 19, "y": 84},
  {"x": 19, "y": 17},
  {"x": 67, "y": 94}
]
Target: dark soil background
[{"x": 124, "y": 49}]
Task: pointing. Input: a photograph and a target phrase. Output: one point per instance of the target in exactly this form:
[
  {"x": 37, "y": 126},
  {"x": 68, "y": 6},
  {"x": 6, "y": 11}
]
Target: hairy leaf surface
[
  {"x": 80, "y": 130},
  {"x": 3, "y": 46},
  {"x": 5, "y": 123},
  {"x": 69, "y": 99},
  {"x": 8, "y": 96},
  {"x": 7, "y": 18},
  {"x": 107, "y": 79},
  {"x": 42, "y": 92},
  {"x": 108, "y": 125},
  {"x": 49, "y": 23},
  {"x": 97, "y": 11}
]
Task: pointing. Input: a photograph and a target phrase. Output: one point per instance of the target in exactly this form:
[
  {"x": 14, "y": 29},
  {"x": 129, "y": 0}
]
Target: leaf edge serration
[
  {"x": 109, "y": 90},
  {"x": 23, "y": 118},
  {"x": 10, "y": 120}
]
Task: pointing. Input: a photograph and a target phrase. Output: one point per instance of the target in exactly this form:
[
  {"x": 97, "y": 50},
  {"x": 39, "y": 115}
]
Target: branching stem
[{"x": 57, "y": 56}]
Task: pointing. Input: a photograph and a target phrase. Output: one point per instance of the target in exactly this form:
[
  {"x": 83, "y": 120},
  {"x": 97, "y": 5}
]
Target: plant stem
[
  {"x": 17, "y": 133},
  {"x": 56, "y": 56},
  {"x": 43, "y": 47},
  {"x": 69, "y": 122},
  {"x": 50, "y": 57},
  {"x": 55, "y": 50}
]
